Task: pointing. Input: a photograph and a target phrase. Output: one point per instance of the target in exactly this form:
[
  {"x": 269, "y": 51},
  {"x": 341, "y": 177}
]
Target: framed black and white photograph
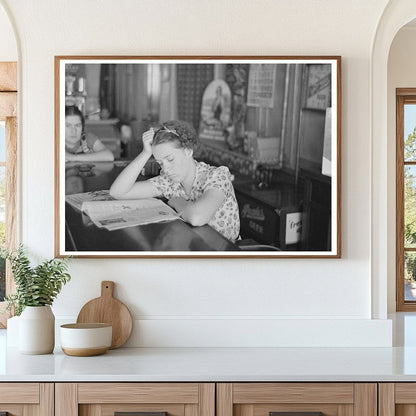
[{"x": 198, "y": 156}]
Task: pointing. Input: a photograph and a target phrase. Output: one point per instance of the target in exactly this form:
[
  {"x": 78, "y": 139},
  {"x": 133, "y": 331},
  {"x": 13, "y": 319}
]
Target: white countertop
[
  {"x": 222, "y": 364},
  {"x": 215, "y": 364}
]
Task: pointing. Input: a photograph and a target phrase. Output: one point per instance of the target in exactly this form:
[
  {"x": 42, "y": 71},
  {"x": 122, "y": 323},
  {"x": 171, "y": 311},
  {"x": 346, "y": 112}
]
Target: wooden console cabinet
[{"x": 208, "y": 399}]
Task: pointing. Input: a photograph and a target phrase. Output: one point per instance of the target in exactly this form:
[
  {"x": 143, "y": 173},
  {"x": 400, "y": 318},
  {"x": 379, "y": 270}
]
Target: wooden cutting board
[{"x": 108, "y": 310}]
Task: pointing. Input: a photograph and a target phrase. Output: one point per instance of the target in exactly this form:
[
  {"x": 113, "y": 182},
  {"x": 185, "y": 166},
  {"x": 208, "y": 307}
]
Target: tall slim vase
[{"x": 37, "y": 330}]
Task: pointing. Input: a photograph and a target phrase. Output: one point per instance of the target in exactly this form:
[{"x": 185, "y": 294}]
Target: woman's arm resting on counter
[
  {"x": 125, "y": 185},
  {"x": 104, "y": 155},
  {"x": 201, "y": 211}
]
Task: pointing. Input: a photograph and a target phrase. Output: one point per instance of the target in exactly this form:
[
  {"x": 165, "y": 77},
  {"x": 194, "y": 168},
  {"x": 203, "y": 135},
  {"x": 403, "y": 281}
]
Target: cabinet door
[
  {"x": 143, "y": 399},
  {"x": 297, "y": 399},
  {"x": 26, "y": 399},
  {"x": 397, "y": 399}
]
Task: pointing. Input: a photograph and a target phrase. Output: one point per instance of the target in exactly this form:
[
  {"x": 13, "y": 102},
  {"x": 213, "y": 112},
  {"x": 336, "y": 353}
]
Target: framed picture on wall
[{"x": 198, "y": 156}]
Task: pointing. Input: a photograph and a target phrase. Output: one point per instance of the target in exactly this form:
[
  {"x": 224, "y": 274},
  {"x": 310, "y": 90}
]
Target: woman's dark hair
[
  {"x": 180, "y": 132},
  {"x": 73, "y": 110}
]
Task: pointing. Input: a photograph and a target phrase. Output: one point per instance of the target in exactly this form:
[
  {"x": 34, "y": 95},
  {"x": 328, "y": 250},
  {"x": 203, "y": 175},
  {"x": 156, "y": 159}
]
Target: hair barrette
[{"x": 168, "y": 130}]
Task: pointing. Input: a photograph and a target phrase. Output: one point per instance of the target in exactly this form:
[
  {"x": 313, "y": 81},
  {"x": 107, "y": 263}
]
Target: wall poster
[{"x": 190, "y": 157}]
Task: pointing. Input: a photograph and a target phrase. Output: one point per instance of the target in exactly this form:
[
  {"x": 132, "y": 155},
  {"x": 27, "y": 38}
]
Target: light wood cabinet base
[{"x": 208, "y": 399}]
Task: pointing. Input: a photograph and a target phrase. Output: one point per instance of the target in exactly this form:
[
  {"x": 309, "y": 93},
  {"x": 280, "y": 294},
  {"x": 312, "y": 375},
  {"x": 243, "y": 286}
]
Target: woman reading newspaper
[{"x": 200, "y": 193}]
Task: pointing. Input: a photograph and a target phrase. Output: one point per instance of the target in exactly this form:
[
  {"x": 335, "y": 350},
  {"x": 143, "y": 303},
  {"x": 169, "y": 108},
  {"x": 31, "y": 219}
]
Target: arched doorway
[{"x": 395, "y": 16}]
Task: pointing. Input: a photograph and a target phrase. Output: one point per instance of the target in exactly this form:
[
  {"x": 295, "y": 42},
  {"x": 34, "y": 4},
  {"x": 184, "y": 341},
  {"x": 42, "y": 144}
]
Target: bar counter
[{"x": 82, "y": 236}]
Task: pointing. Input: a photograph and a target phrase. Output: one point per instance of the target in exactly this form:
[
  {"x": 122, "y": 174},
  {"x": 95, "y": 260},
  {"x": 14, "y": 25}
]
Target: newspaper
[
  {"x": 106, "y": 212},
  {"x": 76, "y": 200}
]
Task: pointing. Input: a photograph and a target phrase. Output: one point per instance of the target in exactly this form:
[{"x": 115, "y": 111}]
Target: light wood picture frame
[{"x": 269, "y": 148}]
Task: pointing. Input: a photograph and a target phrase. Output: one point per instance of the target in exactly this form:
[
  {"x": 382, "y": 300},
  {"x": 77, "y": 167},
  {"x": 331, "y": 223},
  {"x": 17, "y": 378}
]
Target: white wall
[
  {"x": 8, "y": 46},
  {"x": 212, "y": 302},
  {"x": 401, "y": 74}
]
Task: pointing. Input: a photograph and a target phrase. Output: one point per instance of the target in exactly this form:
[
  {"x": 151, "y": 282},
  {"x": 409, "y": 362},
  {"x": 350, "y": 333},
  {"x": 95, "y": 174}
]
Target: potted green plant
[{"x": 36, "y": 289}]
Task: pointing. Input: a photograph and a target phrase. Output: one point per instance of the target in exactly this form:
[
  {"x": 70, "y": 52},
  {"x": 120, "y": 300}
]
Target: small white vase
[
  {"x": 37, "y": 330},
  {"x": 12, "y": 334}
]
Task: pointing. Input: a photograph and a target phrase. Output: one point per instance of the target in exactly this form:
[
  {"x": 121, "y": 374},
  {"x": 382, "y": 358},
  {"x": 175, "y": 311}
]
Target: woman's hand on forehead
[{"x": 147, "y": 138}]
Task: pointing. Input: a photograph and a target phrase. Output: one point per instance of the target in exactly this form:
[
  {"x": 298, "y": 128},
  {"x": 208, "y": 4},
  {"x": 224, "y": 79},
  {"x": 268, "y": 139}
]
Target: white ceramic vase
[
  {"x": 37, "y": 330},
  {"x": 12, "y": 334}
]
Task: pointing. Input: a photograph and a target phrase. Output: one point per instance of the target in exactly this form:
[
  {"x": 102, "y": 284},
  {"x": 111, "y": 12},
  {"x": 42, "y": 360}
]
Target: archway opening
[
  {"x": 383, "y": 245},
  {"x": 401, "y": 133}
]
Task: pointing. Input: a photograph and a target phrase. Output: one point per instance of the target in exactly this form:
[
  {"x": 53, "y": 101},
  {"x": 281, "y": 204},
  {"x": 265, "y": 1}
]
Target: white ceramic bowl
[{"x": 85, "y": 339}]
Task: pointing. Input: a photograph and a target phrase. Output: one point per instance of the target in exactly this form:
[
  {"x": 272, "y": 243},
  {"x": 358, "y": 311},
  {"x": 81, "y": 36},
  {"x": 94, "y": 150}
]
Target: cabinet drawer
[
  {"x": 267, "y": 399},
  {"x": 21, "y": 399},
  {"x": 138, "y": 393},
  {"x": 293, "y": 392},
  {"x": 397, "y": 399},
  {"x": 107, "y": 399},
  {"x": 19, "y": 393}
]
